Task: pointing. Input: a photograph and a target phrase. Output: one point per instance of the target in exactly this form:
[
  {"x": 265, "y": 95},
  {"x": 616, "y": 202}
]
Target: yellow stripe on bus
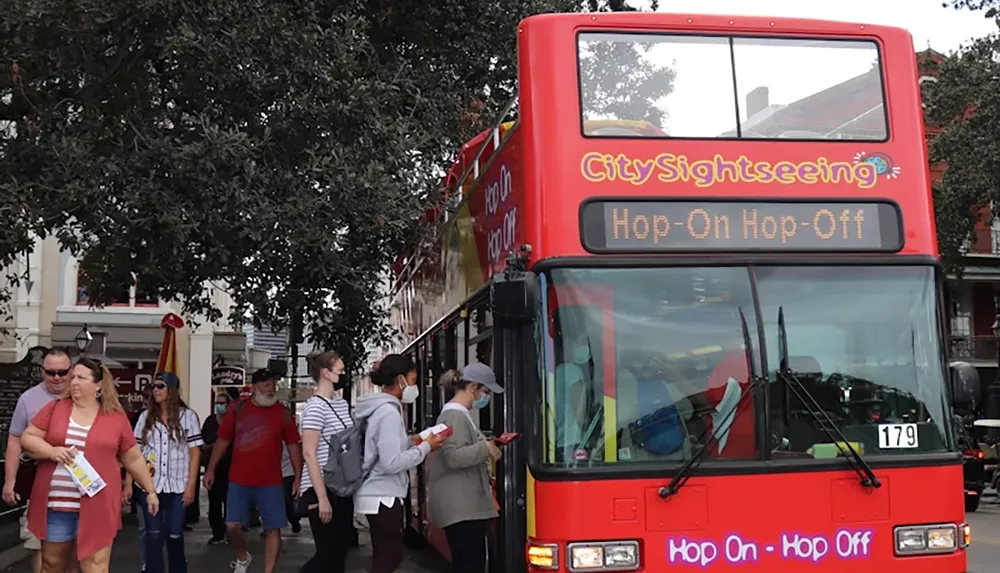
[
  {"x": 610, "y": 430},
  {"x": 549, "y": 427},
  {"x": 531, "y": 505}
]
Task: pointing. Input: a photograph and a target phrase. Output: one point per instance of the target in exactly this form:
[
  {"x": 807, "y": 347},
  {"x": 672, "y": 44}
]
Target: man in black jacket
[{"x": 217, "y": 494}]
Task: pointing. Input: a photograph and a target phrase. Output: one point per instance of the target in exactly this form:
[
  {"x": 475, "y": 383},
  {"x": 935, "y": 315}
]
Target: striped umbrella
[{"x": 168, "y": 350}]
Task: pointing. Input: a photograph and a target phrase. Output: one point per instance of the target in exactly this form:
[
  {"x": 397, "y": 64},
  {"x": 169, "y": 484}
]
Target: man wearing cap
[{"x": 257, "y": 427}]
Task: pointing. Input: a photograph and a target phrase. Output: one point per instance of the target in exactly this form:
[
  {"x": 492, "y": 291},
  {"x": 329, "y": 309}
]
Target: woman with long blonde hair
[
  {"x": 89, "y": 424},
  {"x": 169, "y": 434}
]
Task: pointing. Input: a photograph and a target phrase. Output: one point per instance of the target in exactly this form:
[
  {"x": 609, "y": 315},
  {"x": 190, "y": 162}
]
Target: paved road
[
  {"x": 985, "y": 551},
  {"x": 298, "y": 548}
]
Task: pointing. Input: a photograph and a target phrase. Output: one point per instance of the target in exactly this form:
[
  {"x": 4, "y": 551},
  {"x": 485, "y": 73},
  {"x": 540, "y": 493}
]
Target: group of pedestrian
[{"x": 257, "y": 466}]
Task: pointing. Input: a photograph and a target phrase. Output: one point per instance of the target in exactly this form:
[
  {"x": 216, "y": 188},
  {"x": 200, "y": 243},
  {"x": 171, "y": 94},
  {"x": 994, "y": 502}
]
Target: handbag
[{"x": 25, "y": 479}]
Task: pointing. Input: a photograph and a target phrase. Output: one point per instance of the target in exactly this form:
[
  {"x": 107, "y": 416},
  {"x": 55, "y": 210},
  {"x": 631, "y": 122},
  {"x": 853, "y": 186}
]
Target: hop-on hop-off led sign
[{"x": 668, "y": 225}]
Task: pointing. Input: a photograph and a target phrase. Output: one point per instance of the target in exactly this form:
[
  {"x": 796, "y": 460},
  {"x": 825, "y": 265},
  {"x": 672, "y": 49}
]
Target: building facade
[
  {"x": 50, "y": 308},
  {"x": 971, "y": 299}
]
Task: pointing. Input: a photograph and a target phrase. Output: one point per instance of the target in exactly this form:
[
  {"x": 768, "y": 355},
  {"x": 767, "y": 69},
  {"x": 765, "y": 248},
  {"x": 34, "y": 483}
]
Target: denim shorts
[
  {"x": 61, "y": 526},
  {"x": 269, "y": 500}
]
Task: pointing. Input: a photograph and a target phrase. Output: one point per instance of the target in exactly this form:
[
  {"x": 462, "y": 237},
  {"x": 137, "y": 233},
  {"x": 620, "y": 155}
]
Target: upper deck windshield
[
  {"x": 643, "y": 364},
  {"x": 689, "y": 86}
]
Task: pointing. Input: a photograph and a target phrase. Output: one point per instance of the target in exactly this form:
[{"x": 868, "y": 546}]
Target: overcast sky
[
  {"x": 944, "y": 28},
  {"x": 701, "y": 103}
]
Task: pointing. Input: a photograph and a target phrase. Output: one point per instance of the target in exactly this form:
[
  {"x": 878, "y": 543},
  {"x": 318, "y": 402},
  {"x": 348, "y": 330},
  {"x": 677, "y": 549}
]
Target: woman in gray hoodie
[{"x": 389, "y": 456}]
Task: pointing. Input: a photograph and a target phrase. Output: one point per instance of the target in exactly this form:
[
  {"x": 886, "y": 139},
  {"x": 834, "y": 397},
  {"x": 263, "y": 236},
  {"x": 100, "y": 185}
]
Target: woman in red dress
[{"x": 90, "y": 424}]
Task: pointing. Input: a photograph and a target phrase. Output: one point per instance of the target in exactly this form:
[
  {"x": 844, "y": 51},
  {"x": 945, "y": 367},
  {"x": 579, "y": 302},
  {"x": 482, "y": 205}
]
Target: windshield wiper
[
  {"x": 683, "y": 474},
  {"x": 822, "y": 419}
]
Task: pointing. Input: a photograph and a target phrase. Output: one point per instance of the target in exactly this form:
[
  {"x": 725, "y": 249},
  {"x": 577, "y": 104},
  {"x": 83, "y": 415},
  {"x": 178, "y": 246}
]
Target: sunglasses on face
[
  {"x": 56, "y": 372},
  {"x": 160, "y": 386}
]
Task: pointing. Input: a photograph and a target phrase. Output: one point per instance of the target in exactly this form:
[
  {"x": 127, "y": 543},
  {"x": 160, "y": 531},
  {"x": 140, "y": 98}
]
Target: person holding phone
[{"x": 461, "y": 497}]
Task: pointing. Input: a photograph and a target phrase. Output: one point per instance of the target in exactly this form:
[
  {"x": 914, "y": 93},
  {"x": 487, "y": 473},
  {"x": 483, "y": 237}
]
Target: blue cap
[
  {"x": 168, "y": 378},
  {"x": 482, "y": 374}
]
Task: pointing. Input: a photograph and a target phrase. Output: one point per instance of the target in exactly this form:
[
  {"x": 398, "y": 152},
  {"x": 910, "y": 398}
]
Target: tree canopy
[
  {"x": 277, "y": 149},
  {"x": 965, "y": 102}
]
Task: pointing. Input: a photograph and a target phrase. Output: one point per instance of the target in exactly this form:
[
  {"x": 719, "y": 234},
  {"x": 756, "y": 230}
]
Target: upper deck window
[{"x": 724, "y": 87}]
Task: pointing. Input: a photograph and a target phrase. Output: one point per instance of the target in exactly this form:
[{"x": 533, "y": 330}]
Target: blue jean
[
  {"x": 165, "y": 528},
  {"x": 269, "y": 501},
  {"x": 140, "y": 516},
  {"x": 61, "y": 526}
]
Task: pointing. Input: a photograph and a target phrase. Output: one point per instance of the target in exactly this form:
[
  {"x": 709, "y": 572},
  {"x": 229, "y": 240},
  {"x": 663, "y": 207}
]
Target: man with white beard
[{"x": 257, "y": 427}]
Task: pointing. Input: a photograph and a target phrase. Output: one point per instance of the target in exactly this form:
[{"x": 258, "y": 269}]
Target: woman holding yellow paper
[{"x": 79, "y": 442}]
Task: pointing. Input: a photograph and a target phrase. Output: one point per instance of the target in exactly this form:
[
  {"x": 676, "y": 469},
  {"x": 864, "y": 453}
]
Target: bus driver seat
[{"x": 652, "y": 419}]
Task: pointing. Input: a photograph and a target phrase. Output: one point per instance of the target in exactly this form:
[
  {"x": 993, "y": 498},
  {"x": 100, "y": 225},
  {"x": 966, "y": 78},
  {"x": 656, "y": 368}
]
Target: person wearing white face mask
[
  {"x": 389, "y": 457},
  {"x": 460, "y": 500}
]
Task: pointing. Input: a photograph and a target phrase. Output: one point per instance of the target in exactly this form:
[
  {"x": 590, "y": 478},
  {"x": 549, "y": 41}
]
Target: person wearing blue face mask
[
  {"x": 217, "y": 493},
  {"x": 460, "y": 499}
]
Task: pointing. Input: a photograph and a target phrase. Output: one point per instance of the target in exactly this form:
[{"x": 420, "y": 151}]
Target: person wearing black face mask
[{"x": 331, "y": 518}]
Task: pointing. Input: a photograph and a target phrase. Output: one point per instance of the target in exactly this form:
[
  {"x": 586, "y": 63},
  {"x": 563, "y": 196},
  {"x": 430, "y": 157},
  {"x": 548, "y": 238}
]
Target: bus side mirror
[
  {"x": 514, "y": 297},
  {"x": 964, "y": 384}
]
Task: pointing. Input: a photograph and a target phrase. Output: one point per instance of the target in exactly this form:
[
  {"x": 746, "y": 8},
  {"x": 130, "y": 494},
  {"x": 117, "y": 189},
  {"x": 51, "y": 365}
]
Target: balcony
[
  {"x": 984, "y": 241},
  {"x": 973, "y": 348}
]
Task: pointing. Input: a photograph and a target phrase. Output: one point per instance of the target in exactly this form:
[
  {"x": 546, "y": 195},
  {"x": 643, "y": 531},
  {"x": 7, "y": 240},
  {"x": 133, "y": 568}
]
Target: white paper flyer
[
  {"x": 438, "y": 429},
  {"x": 85, "y": 476}
]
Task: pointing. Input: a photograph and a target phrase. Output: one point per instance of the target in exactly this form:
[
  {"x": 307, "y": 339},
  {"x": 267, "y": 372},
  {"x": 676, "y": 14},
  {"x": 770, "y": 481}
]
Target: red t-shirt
[
  {"x": 257, "y": 436},
  {"x": 741, "y": 442}
]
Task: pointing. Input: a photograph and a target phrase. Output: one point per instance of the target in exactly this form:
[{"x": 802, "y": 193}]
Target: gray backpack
[{"x": 344, "y": 471}]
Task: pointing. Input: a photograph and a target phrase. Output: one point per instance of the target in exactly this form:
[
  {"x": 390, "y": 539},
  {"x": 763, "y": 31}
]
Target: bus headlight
[
  {"x": 923, "y": 539},
  {"x": 604, "y": 556}
]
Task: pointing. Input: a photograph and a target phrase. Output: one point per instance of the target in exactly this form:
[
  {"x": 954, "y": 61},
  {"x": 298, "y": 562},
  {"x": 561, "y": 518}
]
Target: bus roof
[{"x": 713, "y": 23}]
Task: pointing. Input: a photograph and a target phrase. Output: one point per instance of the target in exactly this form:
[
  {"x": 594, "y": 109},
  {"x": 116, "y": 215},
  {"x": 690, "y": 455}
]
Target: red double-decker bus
[{"x": 703, "y": 263}]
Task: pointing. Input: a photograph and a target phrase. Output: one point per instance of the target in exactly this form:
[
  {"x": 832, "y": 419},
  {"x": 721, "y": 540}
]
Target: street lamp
[{"x": 84, "y": 339}]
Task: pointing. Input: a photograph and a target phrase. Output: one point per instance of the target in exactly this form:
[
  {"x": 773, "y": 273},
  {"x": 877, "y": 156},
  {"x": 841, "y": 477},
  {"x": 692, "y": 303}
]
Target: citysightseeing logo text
[{"x": 863, "y": 172}]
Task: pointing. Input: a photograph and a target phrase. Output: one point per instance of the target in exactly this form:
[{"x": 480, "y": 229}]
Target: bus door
[{"x": 515, "y": 362}]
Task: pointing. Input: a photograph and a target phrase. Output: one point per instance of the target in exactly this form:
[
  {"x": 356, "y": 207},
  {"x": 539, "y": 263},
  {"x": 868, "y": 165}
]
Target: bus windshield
[
  {"x": 730, "y": 87},
  {"x": 645, "y": 364}
]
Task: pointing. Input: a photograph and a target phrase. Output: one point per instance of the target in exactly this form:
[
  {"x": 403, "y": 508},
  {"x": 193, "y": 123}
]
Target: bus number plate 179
[{"x": 895, "y": 436}]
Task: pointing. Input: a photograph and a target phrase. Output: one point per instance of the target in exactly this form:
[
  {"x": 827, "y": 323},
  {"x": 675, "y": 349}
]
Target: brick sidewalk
[{"x": 296, "y": 550}]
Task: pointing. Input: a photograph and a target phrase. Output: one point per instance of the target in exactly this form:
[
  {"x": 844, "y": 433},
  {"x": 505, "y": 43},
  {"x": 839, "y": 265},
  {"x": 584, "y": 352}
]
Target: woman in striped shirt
[
  {"x": 169, "y": 434},
  {"x": 90, "y": 424},
  {"x": 331, "y": 518}
]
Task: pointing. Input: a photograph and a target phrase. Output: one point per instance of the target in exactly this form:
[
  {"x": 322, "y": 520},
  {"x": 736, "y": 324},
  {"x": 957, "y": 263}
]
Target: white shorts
[{"x": 30, "y": 541}]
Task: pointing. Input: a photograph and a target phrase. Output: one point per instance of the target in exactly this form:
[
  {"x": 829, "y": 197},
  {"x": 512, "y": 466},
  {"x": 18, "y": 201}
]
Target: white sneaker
[{"x": 241, "y": 566}]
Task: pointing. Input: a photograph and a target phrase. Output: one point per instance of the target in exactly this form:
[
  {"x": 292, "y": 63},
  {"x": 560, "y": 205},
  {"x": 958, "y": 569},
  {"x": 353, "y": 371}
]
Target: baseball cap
[
  {"x": 168, "y": 378},
  {"x": 263, "y": 375},
  {"x": 482, "y": 374}
]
